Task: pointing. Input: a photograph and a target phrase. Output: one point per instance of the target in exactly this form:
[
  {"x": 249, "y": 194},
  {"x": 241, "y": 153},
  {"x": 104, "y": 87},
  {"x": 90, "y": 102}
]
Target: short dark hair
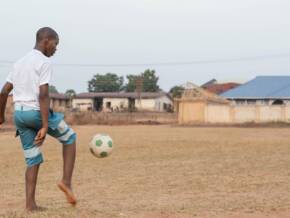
[{"x": 46, "y": 32}]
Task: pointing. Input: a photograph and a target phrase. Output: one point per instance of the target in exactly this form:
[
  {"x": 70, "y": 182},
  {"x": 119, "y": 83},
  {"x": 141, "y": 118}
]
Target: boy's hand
[
  {"x": 7, "y": 88},
  {"x": 40, "y": 137}
]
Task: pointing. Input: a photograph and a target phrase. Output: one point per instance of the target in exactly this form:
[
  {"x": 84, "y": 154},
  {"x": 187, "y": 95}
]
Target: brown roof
[
  {"x": 195, "y": 93},
  {"x": 121, "y": 95},
  {"x": 58, "y": 96},
  {"x": 221, "y": 88}
]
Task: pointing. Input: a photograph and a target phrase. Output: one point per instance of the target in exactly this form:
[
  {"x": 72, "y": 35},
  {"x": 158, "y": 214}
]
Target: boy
[{"x": 29, "y": 81}]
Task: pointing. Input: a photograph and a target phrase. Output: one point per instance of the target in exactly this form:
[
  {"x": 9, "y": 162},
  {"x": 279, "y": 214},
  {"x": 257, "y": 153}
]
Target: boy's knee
[
  {"x": 65, "y": 134},
  {"x": 32, "y": 161},
  {"x": 32, "y": 153},
  {"x": 71, "y": 140}
]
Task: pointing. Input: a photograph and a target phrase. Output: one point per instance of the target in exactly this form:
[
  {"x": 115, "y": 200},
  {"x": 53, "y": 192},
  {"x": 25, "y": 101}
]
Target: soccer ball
[{"x": 101, "y": 145}]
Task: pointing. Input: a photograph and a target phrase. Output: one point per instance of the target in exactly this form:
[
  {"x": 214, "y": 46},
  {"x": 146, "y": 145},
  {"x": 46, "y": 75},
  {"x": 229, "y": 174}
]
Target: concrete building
[
  {"x": 263, "y": 99},
  {"x": 123, "y": 101},
  {"x": 59, "y": 102},
  {"x": 219, "y": 88},
  {"x": 193, "y": 106},
  {"x": 263, "y": 90}
]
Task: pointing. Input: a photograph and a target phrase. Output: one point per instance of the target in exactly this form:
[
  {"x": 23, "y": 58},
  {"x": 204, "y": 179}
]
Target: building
[
  {"x": 198, "y": 105},
  {"x": 263, "y": 90},
  {"x": 59, "y": 102},
  {"x": 109, "y": 102},
  {"x": 211, "y": 82},
  {"x": 123, "y": 101},
  {"x": 219, "y": 88},
  {"x": 263, "y": 99}
]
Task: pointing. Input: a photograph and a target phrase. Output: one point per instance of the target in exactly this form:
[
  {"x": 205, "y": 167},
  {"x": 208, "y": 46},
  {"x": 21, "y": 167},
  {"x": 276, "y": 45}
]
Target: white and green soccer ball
[{"x": 101, "y": 145}]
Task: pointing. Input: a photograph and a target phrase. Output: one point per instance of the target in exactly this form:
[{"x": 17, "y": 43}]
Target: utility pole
[{"x": 139, "y": 87}]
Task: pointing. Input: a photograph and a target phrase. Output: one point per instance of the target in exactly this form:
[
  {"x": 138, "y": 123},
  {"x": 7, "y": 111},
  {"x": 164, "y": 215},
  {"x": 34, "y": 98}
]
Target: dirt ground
[{"x": 159, "y": 171}]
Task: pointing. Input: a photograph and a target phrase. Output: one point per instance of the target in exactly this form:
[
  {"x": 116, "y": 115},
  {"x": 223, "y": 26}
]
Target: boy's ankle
[
  {"x": 66, "y": 183},
  {"x": 31, "y": 207}
]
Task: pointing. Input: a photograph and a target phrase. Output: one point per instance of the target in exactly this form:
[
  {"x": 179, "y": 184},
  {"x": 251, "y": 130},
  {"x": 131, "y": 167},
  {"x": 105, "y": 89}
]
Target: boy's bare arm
[
  {"x": 44, "y": 110},
  {"x": 3, "y": 100}
]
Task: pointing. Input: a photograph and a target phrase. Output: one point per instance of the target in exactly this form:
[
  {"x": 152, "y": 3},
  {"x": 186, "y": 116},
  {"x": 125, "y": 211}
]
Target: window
[
  {"x": 164, "y": 106},
  {"x": 251, "y": 101},
  {"x": 240, "y": 102},
  {"x": 108, "y": 104},
  {"x": 278, "y": 102}
]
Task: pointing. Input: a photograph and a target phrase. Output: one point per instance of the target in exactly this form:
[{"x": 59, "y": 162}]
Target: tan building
[
  {"x": 264, "y": 99},
  {"x": 123, "y": 101},
  {"x": 83, "y": 103},
  {"x": 194, "y": 104},
  {"x": 59, "y": 102}
]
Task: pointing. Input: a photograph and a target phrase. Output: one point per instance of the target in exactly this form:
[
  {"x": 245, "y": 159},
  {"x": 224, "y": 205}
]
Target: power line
[{"x": 209, "y": 61}]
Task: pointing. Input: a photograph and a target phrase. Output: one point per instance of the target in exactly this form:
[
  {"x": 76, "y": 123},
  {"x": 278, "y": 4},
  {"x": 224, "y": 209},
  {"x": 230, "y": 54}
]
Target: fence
[{"x": 202, "y": 112}]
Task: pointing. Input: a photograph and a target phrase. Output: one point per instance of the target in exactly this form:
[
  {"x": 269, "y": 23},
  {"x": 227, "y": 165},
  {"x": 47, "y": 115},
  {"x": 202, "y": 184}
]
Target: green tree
[
  {"x": 70, "y": 93},
  {"x": 176, "y": 91},
  {"x": 149, "y": 82},
  {"x": 52, "y": 89},
  {"x": 106, "y": 83},
  {"x": 131, "y": 85}
]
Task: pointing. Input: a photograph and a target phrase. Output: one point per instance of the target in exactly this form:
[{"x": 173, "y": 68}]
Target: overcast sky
[{"x": 151, "y": 31}]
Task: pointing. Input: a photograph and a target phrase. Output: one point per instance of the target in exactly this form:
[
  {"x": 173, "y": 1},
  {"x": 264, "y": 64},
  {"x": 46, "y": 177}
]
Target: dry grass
[
  {"x": 122, "y": 118},
  {"x": 160, "y": 171}
]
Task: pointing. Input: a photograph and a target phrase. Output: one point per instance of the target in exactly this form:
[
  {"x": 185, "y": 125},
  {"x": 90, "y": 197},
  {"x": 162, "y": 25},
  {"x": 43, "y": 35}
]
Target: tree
[
  {"x": 52, "y": 89},
  {"x": 106, "y": 83},
  {"x": 70, "y": 93},
  {"x": 176, "y": 91},
  {"x": 149, "y": 82},
  {"x": 131, "y": 85}
]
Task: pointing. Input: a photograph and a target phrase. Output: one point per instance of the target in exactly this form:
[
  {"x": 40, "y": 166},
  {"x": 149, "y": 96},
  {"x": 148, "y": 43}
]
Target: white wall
[
  {"x": 116, "y": 102},
  {"x": 145, "y": 104},
  {"x": 215, "y": 113},
  {"x": 83, "y": 104},
  {"x": 242, "y": 114},
  {"x": 271, "y": 113},
  {"x": 153, "y": 104}
]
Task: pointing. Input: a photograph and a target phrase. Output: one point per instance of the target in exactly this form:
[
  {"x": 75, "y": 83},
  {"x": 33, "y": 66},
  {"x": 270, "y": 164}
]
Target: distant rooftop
[
  {"x": 58, "y": 96},
  {"x": 121, "y": 95},
  {"x": 262, "y": 87},
  {"x": 211, "y": 82},
  {"x": 220, "y": 88}
]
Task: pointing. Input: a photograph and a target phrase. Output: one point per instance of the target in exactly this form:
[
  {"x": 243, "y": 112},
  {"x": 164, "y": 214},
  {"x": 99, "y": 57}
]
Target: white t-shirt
[{"x": 30, "y": 72}]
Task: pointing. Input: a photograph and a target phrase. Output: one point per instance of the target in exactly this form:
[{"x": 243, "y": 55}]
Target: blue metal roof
[{"x": 262, "y": 87}]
